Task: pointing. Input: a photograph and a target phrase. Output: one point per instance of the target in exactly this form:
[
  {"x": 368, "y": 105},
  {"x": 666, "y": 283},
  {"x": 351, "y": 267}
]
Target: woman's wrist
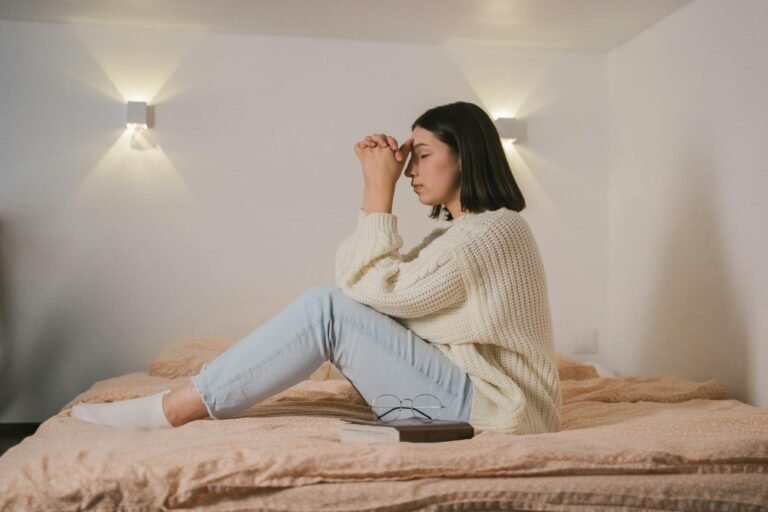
[{"x": 378, "y": 199}]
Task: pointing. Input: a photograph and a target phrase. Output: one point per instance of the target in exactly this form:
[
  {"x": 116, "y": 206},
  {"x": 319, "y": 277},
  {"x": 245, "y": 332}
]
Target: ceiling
[{"x": 591, "y": 25}]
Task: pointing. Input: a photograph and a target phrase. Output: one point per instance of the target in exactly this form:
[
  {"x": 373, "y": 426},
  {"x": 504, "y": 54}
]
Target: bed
[{"x": 627, "y": 443}]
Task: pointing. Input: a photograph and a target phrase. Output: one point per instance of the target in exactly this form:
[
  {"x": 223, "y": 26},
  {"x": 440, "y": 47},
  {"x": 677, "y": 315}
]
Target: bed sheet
[{"x": 658, "y": 443}]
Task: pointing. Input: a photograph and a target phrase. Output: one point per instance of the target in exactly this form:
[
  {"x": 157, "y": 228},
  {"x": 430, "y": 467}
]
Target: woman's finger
[
  {"x": 387, "y": 141},
  {"x": 404, "y": 150},
  {"x": 381, "y": 140},
  {"x": 360, "y": 147},
  {"x": 392, "y": 144}
]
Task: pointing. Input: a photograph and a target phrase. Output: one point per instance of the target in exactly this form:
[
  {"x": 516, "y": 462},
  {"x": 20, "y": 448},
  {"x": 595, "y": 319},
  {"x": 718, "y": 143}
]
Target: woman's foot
[
  {"x": 146, "y": 412},
  {"x": 169, "y": 408}
]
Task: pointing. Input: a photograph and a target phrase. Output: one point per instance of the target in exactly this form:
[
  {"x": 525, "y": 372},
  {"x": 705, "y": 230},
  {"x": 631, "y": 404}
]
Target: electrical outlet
[{"x": 586, "y": 341}]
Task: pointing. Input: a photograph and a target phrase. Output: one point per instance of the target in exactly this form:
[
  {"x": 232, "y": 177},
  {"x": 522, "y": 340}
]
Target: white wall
[
  {"x": 108, "y": 252},
  {"x": 689, "y": 198}
]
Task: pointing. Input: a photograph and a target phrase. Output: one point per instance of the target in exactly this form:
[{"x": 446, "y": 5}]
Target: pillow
[
  {"x": 602, "y": 370},
  {"x": 570, "y": 369},
  {"x": 185, "y": 357}
]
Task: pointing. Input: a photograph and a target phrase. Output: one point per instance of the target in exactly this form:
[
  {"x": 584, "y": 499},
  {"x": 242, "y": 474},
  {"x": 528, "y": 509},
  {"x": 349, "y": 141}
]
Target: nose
[{"x": 409, "y": 169}]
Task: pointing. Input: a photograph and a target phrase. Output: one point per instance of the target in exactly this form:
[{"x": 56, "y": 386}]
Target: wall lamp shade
[
  {"x": 510, "y": 128},
  {"x": 137, "y": 115}
]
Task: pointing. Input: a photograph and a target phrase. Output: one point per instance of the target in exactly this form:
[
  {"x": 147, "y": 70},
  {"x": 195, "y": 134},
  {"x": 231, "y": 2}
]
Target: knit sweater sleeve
[{"x": 371, "y": 270}]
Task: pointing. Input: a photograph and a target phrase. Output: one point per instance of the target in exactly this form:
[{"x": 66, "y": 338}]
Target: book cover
[{"x": 409, "y": 430}]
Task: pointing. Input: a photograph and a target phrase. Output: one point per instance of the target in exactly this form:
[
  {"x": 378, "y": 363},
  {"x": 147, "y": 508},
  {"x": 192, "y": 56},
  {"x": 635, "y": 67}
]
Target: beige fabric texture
[
  {"x": 652, "y": 443},
  {"x": 476, "y": 290}
]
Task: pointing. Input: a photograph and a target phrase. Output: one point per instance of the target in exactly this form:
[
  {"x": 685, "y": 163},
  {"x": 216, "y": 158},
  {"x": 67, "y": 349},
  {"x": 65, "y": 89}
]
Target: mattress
[{"x": 626, "y": 443}]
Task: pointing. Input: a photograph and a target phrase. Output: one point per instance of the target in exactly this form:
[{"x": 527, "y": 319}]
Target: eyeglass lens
[{"x": 390, "y": 407}]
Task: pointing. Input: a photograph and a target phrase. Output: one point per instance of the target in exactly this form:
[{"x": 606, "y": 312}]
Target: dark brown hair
[{"x": 486, "y": 178}]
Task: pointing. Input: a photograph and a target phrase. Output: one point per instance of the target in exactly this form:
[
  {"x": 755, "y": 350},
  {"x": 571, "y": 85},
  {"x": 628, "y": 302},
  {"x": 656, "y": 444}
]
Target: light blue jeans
[{"x": 377, "y": 354}]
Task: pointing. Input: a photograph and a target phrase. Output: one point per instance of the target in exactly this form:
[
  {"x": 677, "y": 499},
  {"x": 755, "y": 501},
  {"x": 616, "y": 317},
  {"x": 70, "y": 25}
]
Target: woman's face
[{"x": 434, "y": 169}]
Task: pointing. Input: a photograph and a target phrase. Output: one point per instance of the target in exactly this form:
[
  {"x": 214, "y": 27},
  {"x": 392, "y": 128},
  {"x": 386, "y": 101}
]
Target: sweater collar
[{"x": 465, "y": 215}]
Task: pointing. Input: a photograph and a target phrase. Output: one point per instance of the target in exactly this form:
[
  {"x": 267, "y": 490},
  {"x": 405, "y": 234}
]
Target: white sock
[{"x": 146, "y": 411}]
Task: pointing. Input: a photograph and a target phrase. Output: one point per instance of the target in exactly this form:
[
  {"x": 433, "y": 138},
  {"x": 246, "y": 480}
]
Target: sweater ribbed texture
[{"x": 477, "y": 291}]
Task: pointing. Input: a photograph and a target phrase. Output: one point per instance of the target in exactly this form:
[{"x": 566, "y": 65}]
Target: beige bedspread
[{"x": 657, "y": 443}]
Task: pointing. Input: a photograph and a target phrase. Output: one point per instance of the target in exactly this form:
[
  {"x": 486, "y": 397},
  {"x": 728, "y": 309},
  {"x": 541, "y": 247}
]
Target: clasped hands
[{"x": 382, "y": 161}]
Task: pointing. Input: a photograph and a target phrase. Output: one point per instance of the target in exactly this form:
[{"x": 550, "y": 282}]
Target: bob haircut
[{"x": 486, "y": 179}]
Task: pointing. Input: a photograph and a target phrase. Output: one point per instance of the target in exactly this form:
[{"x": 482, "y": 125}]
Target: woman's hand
[
  {"x": 382, "y": 160},
  {"x": 383, "y": 141}
]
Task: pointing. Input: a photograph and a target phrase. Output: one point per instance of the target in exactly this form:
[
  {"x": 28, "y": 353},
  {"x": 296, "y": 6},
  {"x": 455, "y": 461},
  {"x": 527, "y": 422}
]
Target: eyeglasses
[{"x": 426, "y": 408}]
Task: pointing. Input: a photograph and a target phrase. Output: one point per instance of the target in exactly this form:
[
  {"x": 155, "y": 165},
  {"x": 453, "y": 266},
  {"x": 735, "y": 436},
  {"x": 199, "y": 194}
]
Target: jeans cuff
[{"x": 202, "y": 394}]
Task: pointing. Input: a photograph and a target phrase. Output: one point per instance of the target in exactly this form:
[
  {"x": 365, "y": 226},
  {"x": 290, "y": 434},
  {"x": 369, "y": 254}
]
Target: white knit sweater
[{"x": 477, "y": 291}]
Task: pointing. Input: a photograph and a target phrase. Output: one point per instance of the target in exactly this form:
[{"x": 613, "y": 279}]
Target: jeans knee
[
  {"x": 333, "y": 300},
  {"x": 319, "y": 301},
  {"x": 320, "y": 293}
]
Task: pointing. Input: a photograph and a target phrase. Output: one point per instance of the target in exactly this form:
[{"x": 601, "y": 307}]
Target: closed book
[{"x": 409, "y": 430}]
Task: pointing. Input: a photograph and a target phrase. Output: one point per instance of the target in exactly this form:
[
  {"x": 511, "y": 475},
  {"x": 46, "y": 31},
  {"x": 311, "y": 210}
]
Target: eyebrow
[{"x": 420, "y": 144}]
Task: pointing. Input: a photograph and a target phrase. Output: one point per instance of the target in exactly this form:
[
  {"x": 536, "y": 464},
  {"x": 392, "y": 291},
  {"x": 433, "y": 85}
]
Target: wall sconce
[
  {"x": 139, "y": 115},
  {"x": 510, "y": 128}
]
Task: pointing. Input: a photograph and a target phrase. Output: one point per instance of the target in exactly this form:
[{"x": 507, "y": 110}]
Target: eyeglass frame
[{"x": 411, "y": 407}]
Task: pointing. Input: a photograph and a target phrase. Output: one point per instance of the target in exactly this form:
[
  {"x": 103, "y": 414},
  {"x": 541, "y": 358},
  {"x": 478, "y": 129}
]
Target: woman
[{"x": 463, "y": 316}]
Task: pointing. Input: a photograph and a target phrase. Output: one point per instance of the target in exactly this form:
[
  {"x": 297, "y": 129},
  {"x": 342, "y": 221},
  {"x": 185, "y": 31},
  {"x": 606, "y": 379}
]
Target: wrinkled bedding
[{"x": 654, "y": 443}]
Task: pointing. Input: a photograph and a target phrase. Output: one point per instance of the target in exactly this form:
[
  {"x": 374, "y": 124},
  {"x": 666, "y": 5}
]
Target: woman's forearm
[{"x": 378, "y": 198}]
